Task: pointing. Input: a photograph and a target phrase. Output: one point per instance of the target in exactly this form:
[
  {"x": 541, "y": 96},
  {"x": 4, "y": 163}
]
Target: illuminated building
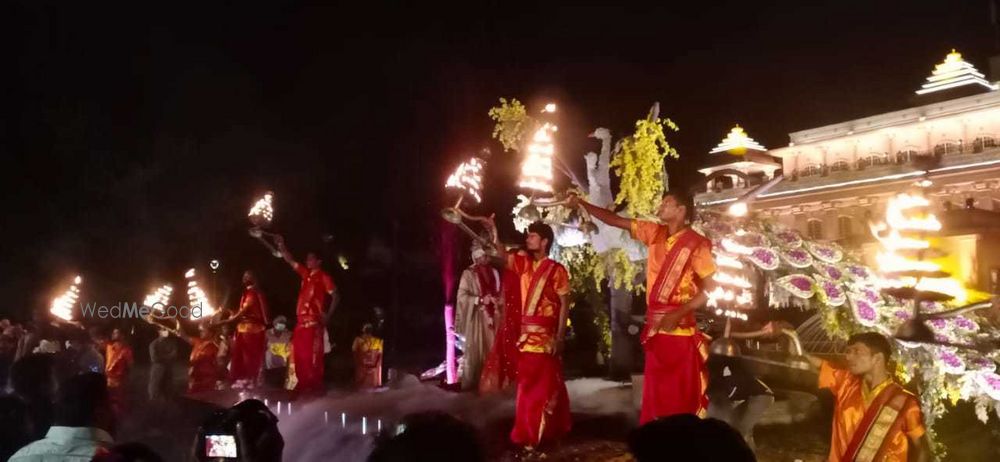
[{"x": 836, "y": 177}]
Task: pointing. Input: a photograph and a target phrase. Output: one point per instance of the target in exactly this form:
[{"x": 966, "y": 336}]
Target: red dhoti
[
  {"x": 542, "y": 402},
  {"x": 203, "y": 366},
  {"x": 305, "y": 372},
  {"x": 500, "y": 370},
  {"x": 675, "y": 379},
  {"x": 247, "y": 356}
]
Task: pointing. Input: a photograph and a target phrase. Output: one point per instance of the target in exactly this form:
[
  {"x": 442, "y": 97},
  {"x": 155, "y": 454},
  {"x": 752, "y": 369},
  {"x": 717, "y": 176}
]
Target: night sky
[{"x": 136, "y": 137}]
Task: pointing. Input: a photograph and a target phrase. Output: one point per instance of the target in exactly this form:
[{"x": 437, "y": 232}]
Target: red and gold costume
[
  {"x": 542, "y": 414},
  {"x": 305, "y": 370},
  {"x": 870, "y": 425},
  {"x": 249, "y": 341},
  {"x": 118, "y": 362},
  {"x": 203, "y": 365},
  {"x": 500, "y": 369},
  {"x": 675, "y": 376},
  {"x": 367, "y": 351}
]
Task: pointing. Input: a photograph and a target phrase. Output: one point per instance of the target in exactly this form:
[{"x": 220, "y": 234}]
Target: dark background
[{"x": 137, "y": 136}]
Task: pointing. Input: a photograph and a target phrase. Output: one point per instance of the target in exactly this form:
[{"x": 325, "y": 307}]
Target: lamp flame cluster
[
  {"x": 159, "y": 297},
  {"x": 468, "y": 177},
  {"x": 197, "y": 297},
  {"x": 62, "y": 306},
  {"x": 903, "y": 258}
]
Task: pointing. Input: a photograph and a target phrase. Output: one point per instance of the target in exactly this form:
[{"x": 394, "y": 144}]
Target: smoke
[{"x": 314, "y": 431}]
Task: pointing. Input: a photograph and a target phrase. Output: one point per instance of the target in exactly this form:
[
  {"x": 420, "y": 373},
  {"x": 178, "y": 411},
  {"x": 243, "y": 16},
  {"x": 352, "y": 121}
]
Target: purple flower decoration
[
  {"x": 938, "y": 323},
  {"x": 788, "y": 238},
  {"x": 832, "y": 292},
  {"x": 965, "y": 323},
  {"x": 904, "y": 315},
  {"x": 989, "y": 382},
  {"x": 871, "y": 295},
  {"x": 797, "y": 258},
  {"x": 951, "y": 362},
  {"x": 826, "y": 252},
  {"x": 764, "y": 258},
  {"x": 798, "y": 285},
  {"x": 865, "y": 311},
  {"x": 859, "y": 272}
]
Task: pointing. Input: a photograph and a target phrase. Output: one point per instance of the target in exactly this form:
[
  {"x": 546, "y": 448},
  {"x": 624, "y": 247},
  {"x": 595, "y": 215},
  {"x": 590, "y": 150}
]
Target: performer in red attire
[
  {"x": 542, "y": 411},
  {"x": 117, "y": 364},
  {"x": 317, "y": 300},
  {"x": 678, "y": 274},
  {"x": 249, "y": 342},
  {"x": 204, "y": 370},
  {"x": 500, "y": 369}
]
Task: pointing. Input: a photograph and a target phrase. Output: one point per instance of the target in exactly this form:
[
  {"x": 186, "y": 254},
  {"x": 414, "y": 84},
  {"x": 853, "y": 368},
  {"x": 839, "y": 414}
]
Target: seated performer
[
  {"x": 367, "y": 350},
  {"x": 874, "y": 418},
  {"x": 478, "y": 297}
]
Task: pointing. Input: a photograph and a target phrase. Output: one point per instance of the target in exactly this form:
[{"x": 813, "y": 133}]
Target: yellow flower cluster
[
  {"x": 639, "y": 164},
  {"x": 512, "y": 122}
]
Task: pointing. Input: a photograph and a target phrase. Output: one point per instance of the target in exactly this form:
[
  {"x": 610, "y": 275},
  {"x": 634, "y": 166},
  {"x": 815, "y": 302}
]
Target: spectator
[
  {"x": 279, "y": 340},
  {"x": 162, "y": 353},
  {"x": 683, "y": 437},
  {"x": 82, "y": 425},
  {"x": 431, "y": 437},
  {"x": 82, "y": 355},
  {"x": 33, "y": 379},
  {"x": 15, "y": 431},
  {"x": 255, "y": 430}
]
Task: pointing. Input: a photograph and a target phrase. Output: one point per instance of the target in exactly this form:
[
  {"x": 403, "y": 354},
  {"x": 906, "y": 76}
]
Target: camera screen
[{"x": 220, "y": 446}]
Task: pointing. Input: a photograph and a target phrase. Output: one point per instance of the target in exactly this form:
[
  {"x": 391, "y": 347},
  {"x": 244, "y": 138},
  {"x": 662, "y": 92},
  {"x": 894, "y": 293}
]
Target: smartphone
[{"x": 220, "y": 446}]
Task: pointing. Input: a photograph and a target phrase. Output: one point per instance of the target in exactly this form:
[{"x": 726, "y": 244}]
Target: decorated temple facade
[{"x": 836, "y": 178}]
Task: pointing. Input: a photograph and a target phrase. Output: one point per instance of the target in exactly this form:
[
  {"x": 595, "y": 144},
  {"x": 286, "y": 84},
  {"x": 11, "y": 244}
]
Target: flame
[
  {"x": 468, "y": 177},
  {"x": 730, "y": 280},
  {"x": 158, "y": 297},
  {"x": 197, "y": 298},
  {"x": 263, "y": 208},
  {"x": 907, "y": 212},
  {"x": 62, "y": 306},
  {"x": 723, "y": 260},
  {"x": 734, "y": 247},
  {"x": 536, "y": 170}
]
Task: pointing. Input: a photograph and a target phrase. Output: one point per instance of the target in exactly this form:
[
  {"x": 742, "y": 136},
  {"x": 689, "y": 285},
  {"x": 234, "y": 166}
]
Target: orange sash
[
  {"x": 667, "y": 282},
  {"x": 882, "y": 418},
  {"x": 537, "y": 286}
]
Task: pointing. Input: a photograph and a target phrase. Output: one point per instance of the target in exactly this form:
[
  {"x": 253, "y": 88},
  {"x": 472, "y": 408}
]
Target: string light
[
  {"x": 737, "y": 141},
  {"x": 954, "y": 72}
]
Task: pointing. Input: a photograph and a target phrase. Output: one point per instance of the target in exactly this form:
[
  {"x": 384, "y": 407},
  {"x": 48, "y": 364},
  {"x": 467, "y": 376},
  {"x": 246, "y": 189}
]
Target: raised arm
[
  {"x": 607, "y": 216},
  {"x": 285, "y": 254}
]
